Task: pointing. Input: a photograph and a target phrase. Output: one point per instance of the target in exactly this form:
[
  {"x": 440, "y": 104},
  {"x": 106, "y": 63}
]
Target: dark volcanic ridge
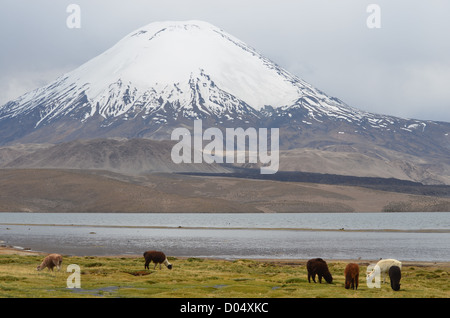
[{"x": 382, "y": 184}]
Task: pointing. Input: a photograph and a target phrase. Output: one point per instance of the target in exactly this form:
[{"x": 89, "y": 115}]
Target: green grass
[{"x": 197, "y": 278}]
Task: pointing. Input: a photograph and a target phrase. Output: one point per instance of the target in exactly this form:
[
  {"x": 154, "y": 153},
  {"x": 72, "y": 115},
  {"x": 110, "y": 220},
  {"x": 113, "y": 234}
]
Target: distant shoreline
[
  {"x": 201, "y": 212},
  {"x": 232, "y": 228}
]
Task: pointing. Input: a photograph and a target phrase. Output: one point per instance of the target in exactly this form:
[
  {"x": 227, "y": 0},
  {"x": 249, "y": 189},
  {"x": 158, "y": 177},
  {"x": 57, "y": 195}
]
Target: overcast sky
[{"x": 400, "y": 69}]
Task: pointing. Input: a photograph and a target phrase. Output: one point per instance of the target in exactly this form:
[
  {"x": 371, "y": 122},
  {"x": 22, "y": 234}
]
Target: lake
[{"x": 415, "y": 236}]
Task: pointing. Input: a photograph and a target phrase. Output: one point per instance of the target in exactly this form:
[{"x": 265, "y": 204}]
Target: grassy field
[{"x": 125, "y": 277}]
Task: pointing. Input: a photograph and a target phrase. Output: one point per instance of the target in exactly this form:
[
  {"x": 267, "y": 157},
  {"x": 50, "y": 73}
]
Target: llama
[
  {"x": 351, "y": 274},
  {"x": 384, "y": 266},
  {"x": 51, "y": 261},
  {"x": 395, "y": 274},
  {"x": 157, "y": 257},
  {"x": 318, "y": 266}
]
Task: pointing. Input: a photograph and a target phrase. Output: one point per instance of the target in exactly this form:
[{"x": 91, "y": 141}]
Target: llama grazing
[
  {"x": 318, "y": 266},
  {"x": 384, "y": 266},
  {"x": 157, "y": 258},
  {"x": 395, "y": 274},
  {"x": 51, "y": 261},
  {"x": 351, "y": 274}
]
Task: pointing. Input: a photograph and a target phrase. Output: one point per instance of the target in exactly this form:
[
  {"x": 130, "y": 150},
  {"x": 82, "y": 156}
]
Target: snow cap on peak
[{"x": 172, "y": 52}]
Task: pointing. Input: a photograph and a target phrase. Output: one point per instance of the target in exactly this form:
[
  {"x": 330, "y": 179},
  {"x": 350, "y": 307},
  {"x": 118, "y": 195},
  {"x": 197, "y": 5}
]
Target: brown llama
[
  {"x": 319, "y": 267},
  {"x": 351, "y": 274},
  {"x": 51, "y": 261}
]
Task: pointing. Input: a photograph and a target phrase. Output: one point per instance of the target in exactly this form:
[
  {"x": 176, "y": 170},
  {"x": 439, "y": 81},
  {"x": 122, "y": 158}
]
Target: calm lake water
[{"x": 405, "y": 236}]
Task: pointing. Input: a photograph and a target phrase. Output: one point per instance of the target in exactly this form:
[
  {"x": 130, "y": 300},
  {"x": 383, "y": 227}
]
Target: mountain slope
[{"x": 132, "y": 157}]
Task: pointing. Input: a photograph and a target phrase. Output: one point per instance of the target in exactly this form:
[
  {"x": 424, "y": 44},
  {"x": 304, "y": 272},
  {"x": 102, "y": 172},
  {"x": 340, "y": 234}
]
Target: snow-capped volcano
[
  {"x": 189, "y": 63},
  {"x": 167, "y": 74},
  {"x": 196, "y": 67},
  {"x": 167, "y": 58}
]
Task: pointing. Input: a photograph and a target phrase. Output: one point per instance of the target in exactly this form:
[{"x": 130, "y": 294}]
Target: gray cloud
[{"x": 402, "y": 69}]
